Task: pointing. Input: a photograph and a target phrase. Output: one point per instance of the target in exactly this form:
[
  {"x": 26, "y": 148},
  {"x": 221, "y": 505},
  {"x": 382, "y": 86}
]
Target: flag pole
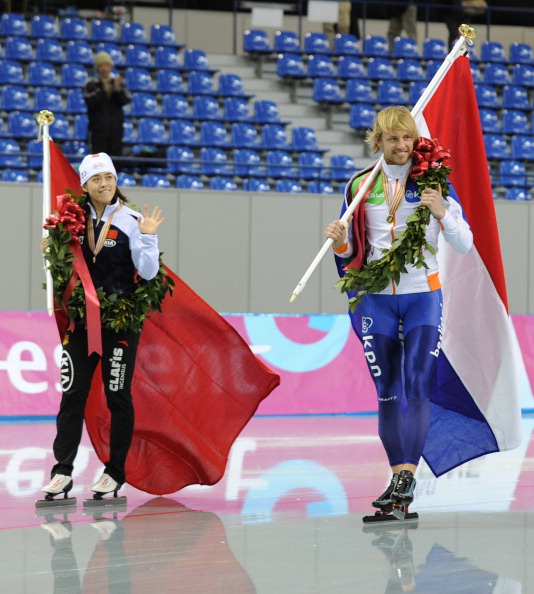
[
  {"x": 467, "y": 34},
  {"x": 45, "y": 118}
]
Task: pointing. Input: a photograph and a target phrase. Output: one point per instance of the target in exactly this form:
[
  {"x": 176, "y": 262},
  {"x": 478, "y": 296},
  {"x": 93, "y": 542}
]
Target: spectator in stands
[
  {"x": 105, "y": 95},
  {"x": 347, "y": 21},
  {"x": 402, "y": 18},
  {"x": 459, "y": 12}
]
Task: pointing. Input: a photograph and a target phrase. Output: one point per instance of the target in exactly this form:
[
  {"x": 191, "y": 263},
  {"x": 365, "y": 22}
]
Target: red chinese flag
[{"x": 63, "y": 177}]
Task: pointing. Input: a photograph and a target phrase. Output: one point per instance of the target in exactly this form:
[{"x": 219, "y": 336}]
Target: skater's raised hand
[{"x": 149, "y": 224}]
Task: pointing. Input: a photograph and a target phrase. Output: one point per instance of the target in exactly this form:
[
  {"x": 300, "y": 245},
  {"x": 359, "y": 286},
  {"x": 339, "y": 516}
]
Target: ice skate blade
[
  {"x": 48, "y": 503},
  {"x": 396, "y": 516},
  {"x": 104, "y": 501}
]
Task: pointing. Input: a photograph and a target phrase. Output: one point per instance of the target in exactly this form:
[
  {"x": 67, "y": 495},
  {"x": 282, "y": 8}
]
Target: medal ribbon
[
  {"x": 393, "y": 202},
  {"x": 102, "y": 236}
]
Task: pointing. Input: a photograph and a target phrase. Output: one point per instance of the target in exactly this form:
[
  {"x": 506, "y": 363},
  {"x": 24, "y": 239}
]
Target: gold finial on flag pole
[
  {"x": 45, "y": 117},
  {"x": 468, "y": 32}
]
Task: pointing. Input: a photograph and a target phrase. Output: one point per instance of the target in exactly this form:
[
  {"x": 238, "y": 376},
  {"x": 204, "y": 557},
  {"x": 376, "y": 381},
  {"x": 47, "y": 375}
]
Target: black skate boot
[
  {"x": 385, "y": 502},
  {"x": 403, "y": 494}
]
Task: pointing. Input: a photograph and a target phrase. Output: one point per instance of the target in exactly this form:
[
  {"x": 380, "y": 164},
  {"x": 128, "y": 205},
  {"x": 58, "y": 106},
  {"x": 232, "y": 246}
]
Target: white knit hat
[{"x": 93, "y": 164}]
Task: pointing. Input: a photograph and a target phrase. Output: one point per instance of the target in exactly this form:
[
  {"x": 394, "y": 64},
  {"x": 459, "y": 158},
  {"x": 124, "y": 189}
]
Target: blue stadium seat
[
  {"x": 490, "y": 120},
  {"x": 290, "y": 66},
  {"x": 206, "y": 107},
  {"x": 267, "y": 112},
  {"x": 515, "y": 97},
  {"x": 189, "y": 182},
  {"x": 305, "y": 139},
  {"x": 139, "y": 56},
  {"x": 10, "y": 153},
  {"x": 174, "y": 106},
  {"x": 279, "y": 164},
  {"x": 151, "y": 130},
  {"x": 42, "y": 74},
  {"x": 231, "y": 85},
  {"x": 311, "y": 166},
  {"x": 255, "y": 184},
  {"x": 522, "y": 147},
  {"x": 43, "y": 26},
  {"x": 49, "y": 50},
  {"x": 163, "y": 35},
  {"x": 492, "y": 51},
  {"x": 200, "y": 83},
  {"x": 521, "y": 53},
  {"x": 81, "y": 125},
  {"x": 286, "y": 42},
  {"x": 487, "y": 96},
  {"x": 18, "y": 48},
  {"x": 517, "y": 194},
  {"x": 75, "y": 150},
  {"x": 11, "y": 72},
  {"x": 431, "y": 67},
  {"x": 415, "y": 90},
  {"x": 138, "y": 79},
  {"x": 169, "y": 81},
  {"x": 60, "y": 128},
  {"x": 223, "y": 183},
  {"x": 144, "y": 105},
  {"x": 183, "y": 133},
  {"x": 74, "y": 28},
  {"x": 496, "y": 146},
  {"x": 288, "y": 186},
  {"x": 181, "y": 159},
  {"x": 236, "y": 109},
  {"x": 320, "y": 187},
  {"x": 380, "y": 69},
  {"x": 167, "y": 57},
  {"x": 133, "y": 33},
  {"x": 346, "y": 44},
  {"x": 274, "y": 136},
  {"x": 341, "y": 167},
  {"x": 34, "y": 148},
  {"x": 256, "y": 41},
  {"x": 245, "y": 135},
  {"x": 409, "y": 70},
  {"x": 512, "y": 173},
  {"x": 15, "y": 98},
  {"x": 79, "y": 50},
  {"x": 475, "y": 72},
  {"x": 48, "y": 98},
  {"x": 247, "y": 163},
  {"x": 359, "y": 91},
  {"x": 73, "y": 75},
  {"x": 390, "y": 92},
  {"x": 104, "y": 30},
  {"x": 405, "y": 47},
  {"x": 155, "y": 180},
  {"x": 496, "y": 73},
  {"x": 515, "y": 121},
  {"x": 13, "y": 24},
  {"x": 375, "y": 46},
  {"x": 197, "y": 59},
  {"x": 213, "y": 161},
  {"x": 327, "y": 90},
  {"x": 19, "y": 176},
  {"x": 113, "y": 49},
  {"x": 320, "y": 65},
  {"x": 434, "y": 49},
  {"x": 126, "y": 180},
  {"x": 350, "y": 67},
  {"x": 316, "y": 43},
  {"x": 523, "y": 75},
  {"x": 213, "y": 134},
  {"x": 362, "y": 116}
]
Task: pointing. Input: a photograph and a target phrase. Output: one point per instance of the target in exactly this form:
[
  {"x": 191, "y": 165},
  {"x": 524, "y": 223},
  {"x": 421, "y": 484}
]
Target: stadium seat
[
  {"x": 81, "y": 125},
  {"x": 126, "y": 180},
  {"x": 515, "y": 121},
  {"x": 475, "y": 72},
  {"x": 380, "y": 69},
  {"x": 490, "y": 120},
  {"x": 390, "y": 92},
  {"x": 274, "y": 136},
  {"x": 359, "y": 91},
  {"x": 327, "y": 90},
  {"x": 350, "y": 67},
  {"x": 113, "y": 49},
  {"x": 320, "y": 187},
  {"x": 487, "y": 96},
  {"x": 522, "y": 147},
  {"x": 305, "y": 139},
  {"x": 42, "y": 74},
  {"x": 320, "y": 65},
  {"x": 247, "y": 163},
  {"x": 104, "y": 30},
  {"x": 144, "y": 105},
  {"x": 267, "y": 112},
  {"x": 223, "y": 183},
  {"x": 362, "y": 116},
  {"x": 213, "y": 134},
  {"x": 512, "y": 173},
  {"x": 163, "y": 35},
  {"x": 75, "y": 150},
  {"x": 169, "y": 81},
  {"x": 409, "y": 70},
  {"x": 236, "y": 109},
  {"x": 49, "y": 50},
  {"x": 79, "y": 51},
  {"x": 286, "y": 42},
  {"x": 10, "y": 153},
  {"x": 19, "y": 176},
  {"x": 496, "y": 73},
  {"x": 244, "y": 135},
  {"x": 174, "y": 106},
  {"x": 48, "y": 98},
  {"x": 231, "y": 85},
  {"x": 138, "y": 79},
  {"x": 18, "y": 48},
  {"x": 492, "y": 51},
  {"x": 60, "y": 128},
  {"x": 341, "y": 167},
  {"x": 43, "y": 26},
  {"x": 213, "y": 161},
  {"x": 521, "y": 53},
  {"x": 279, "y": 164},
  {"x": 181, "y": 159},
  {"x": 167, "y": 57},
  {"x": 11, "y": 72},
  {"x": 517, "y": 194},
  {"x": 200, "y": 83},
  {"x": 151, "y": 130},
  {"x": 523, "y": 75},
  {"x": 346, "y": 44},
  {"x": 431, "y": 67},
  {"x": 13, "y": 24},
  {"x": 256, "y": 41},
  {"x": 255, "y": 184},
  {"x": 316, "y": 43},
  {"x": 183, "y": 133},
  {"x": 206, "y": 107},
  {"x": 311, "y": 166},
  {"x": 288, "y": 186},
  {"x": 375, "y": 46},
  {"x": 155, "y": 180},
  {"x": 189, "y": 182},
  {"x": 515, "y": 97},
  {"x": 74, "y": 28},
  {"x": 434, "y": 49},
  {"x": 496, "y": 146},
  {"x": 139, "y": 56},
  {"x": 73, "y": 75},
  {"x": 15, "y": 98},
  {"x": 196, "y": 59},
  {"x": 415, "y": 90},
  {"x": 133, "y": 33},
  {"x": 34, "y": 148},
  {"x": 405, "y": 47},
  {"x": 290, "y": 65}
]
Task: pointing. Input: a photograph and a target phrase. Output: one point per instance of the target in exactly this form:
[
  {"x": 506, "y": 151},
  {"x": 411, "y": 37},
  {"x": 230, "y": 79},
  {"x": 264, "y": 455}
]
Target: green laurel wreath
[
  {"x": 116, "y": 313},
  {"x": 406, "y": 249}
]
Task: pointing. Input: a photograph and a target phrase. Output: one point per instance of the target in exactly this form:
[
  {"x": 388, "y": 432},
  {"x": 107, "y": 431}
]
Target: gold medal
[{"x": 389, "y": 219}]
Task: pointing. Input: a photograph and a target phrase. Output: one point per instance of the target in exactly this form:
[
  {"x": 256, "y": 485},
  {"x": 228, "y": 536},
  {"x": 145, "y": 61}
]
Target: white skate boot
[
  {"x": 60, "y": 483},
  {"x": 103, "y": 486}
]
